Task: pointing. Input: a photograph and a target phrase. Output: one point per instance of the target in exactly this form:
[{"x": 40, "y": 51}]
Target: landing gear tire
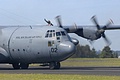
[
  {"x": 16, "y": 65},
  {"x": 54, "y": 65},
  {"x": 57, "y": 65},
  {"x": 24, "y": 65},
  {"x": 20, "y": 65}
]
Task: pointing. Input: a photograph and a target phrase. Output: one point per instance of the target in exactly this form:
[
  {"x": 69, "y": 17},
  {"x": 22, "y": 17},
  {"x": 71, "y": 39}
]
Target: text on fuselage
[{"x": 27, "y": 37}]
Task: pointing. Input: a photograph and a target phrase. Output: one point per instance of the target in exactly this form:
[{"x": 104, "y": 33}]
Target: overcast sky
[{"x": 26, "y": 12}]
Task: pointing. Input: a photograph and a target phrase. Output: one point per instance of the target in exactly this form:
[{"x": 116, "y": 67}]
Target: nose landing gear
[{"x": 54, "y": 65}]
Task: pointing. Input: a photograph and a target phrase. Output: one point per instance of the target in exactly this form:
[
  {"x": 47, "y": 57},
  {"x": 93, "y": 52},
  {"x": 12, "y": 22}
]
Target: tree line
[{"x": 86, "y": 52}]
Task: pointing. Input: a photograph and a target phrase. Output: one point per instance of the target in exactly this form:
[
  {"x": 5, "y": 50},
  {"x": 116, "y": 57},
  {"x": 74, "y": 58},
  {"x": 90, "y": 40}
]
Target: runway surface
[{"x": 112, "y": 71}]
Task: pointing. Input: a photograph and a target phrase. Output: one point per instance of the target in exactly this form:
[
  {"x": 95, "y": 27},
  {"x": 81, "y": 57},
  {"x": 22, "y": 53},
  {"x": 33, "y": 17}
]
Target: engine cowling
[{"x": 74, "y": 41}]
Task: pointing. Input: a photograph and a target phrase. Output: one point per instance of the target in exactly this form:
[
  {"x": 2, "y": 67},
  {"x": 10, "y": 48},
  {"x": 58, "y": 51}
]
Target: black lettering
[
  {"x": 17, "y": 37},
  {"x": 54, "y": 50}
]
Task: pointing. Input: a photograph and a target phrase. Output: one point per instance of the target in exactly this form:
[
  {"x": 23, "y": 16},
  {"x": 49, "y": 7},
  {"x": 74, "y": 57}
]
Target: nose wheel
[{"x": 54, "y": 65}]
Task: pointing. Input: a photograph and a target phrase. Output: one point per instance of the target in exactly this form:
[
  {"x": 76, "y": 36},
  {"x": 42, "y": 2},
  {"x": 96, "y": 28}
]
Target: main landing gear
[
  {"x": 20, "y": 65},
  {"x": 54, "y": 65}
]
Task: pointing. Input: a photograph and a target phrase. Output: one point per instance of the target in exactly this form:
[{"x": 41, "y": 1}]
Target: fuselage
[{"x": 34, "y": 44}]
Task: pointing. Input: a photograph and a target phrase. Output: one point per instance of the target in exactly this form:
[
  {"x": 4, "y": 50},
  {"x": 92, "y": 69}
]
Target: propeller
[
  {"x": 58, "y": 19},
  {"x": 49, "y": 22},
  {"x": 101, "y": 30}
]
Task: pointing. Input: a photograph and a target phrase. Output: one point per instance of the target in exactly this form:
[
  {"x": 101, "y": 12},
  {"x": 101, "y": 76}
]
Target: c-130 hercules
[{"x": 24, "y": 45}]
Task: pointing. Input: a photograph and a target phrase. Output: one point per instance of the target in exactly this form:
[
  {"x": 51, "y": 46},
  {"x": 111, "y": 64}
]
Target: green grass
[
  {"x": 94, "y": 62},
  {"x": 55, "y": 77},
  {"x": 89, "y": 62}
]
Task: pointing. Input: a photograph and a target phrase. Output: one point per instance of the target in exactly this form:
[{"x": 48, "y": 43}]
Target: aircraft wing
[
  {"x": 113, "y": 27},
  {"x": 71, "y": 29}
]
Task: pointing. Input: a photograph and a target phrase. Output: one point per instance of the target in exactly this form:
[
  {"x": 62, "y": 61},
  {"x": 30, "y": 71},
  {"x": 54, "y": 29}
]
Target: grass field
[
  {"x": 78, "y": 62},
  {"x": 94, "y": 62},
  {"x": 55, "y": 77}
]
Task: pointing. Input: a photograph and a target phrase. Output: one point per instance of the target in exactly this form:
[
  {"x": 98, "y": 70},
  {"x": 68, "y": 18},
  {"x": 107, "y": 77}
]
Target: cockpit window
[
  {"x": 53, "y": 30},
  {"x": 53, "y": 34},
  {"x": 50, "y": 30},
  {"x": 46, "y": 35},
  {"x": 50, "y": 33},
  {"x": 63, "y": 33},
  {"x": 58, "y": 34}
]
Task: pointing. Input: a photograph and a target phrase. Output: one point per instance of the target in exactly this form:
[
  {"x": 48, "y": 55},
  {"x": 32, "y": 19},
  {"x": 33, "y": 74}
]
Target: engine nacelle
[
  {"x": 74, "y": 41},
  {"x": 88, "y": 33},
  {"x": 71, "y": 29}
]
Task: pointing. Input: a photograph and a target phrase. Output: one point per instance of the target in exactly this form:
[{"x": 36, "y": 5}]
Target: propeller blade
[
  {"x": 101, "y": 31},
  {"x": 109, "y": 23},
  {"x": 95, "y": 22},
  {"x": 58, "y": 19},
  {"x": 49, "y": 22},
  {"x": 108, "y": 42}
]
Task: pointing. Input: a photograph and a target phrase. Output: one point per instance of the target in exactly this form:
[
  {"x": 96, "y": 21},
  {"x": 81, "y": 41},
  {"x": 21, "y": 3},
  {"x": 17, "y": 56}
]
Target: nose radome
[{"x": 66, "y": 49}]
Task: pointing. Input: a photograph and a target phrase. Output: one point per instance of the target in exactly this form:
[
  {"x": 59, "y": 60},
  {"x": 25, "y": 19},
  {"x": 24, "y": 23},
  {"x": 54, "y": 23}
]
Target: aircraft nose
[{"x": 66, "y": 49}]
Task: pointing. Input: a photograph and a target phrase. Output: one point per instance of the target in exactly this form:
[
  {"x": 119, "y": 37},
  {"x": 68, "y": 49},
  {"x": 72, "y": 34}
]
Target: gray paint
[{"x": 29, "y": 45}]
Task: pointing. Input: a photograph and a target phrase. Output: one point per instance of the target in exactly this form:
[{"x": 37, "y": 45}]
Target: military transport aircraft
[{"x": 48, "y": 44}]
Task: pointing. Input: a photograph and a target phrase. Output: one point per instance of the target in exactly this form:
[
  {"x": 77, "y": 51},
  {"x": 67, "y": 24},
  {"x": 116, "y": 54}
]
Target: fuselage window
[
  {"x": 18, "y": 49},
  {"x": 58, "y": 34},
  {"x": 63, "y": 33},
  {"x": 51, "y": 30},
  {"x": 23, "y": 49},
  {"x": 12, "y": 49},
  {"x": 58, "y": 38},
  {"x": 50, "y": 33},
  {"x": 53, "y": 34},
  {"x": 46, "y": 35}
]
